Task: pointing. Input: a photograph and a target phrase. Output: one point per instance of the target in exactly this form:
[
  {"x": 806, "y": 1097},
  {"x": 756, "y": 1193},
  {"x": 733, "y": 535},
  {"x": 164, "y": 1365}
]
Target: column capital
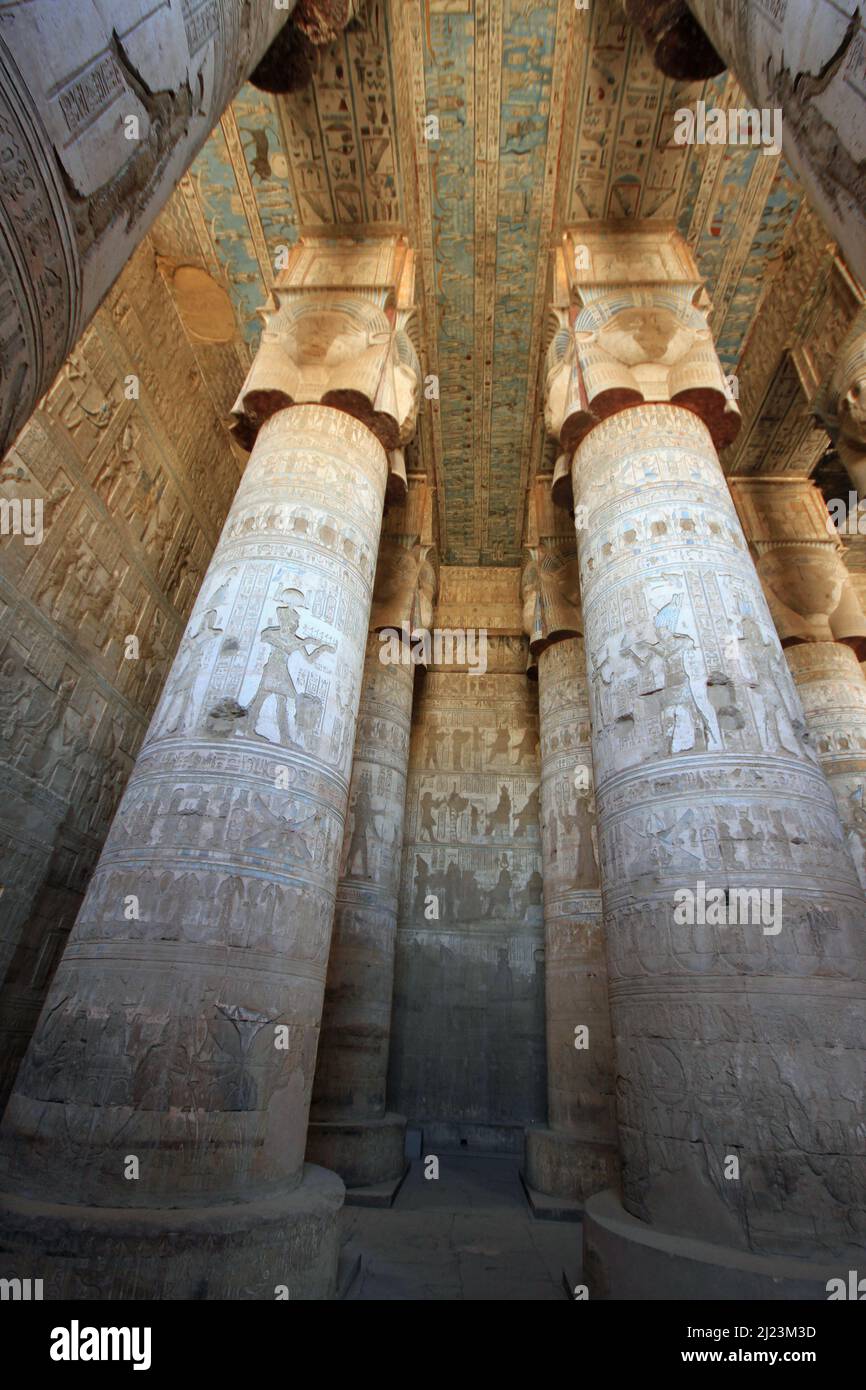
[
  {"x": 549, "y": 583},
  {"x": 338, "y": 331},
  {"x": 407, "y": 574},
  {"x": 678, "y": 44},
  {"x": 840, "y": 404},
  {"x": 798, "y": 556},
  {"x": 630, "y": 327}
]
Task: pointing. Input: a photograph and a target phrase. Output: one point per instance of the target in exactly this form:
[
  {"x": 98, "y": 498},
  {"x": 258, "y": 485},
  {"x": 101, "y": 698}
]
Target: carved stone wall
[
  {"x": 135, "y": 475},
  {"x": 468, "y": 1044}
]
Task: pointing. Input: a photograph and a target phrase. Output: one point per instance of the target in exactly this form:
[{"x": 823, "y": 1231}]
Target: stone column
[
  {"x": 803, "y": 58},
  {"x": 833, "y": 691},
  {"x": 822, "y": 628},
  {"x": 102, "y": 109},
  {"x": 575, "y": 1154},
  {"x": 162, "y": 1106},
  {"x": 733, "y": 913},
  {"x": 351, "y": 1130}
]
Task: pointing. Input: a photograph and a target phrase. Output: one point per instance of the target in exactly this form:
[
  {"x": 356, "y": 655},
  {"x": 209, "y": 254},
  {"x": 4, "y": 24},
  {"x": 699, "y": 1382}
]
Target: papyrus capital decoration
[
  {"x": 631, "y": 328},
  {"x": 549, "y": 582},
  {"x": 840, "y": 404},
  {"x": 337, "y": 331}
]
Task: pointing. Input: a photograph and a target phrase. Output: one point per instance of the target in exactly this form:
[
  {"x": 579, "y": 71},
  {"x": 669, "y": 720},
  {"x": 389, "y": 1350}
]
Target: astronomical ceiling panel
[{"x": 480, "y": 128}]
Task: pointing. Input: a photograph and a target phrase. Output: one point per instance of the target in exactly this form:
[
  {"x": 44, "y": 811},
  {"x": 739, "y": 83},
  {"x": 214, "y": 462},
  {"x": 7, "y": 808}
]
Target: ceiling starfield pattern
[{"x": 542, "y": 114}]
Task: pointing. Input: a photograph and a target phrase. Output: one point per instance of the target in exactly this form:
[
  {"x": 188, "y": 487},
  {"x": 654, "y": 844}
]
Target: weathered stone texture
[{"x": 353, "y": 1049}]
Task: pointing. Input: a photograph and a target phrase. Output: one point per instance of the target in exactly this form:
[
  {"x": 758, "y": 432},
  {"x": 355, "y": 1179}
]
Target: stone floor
[{"x": 466, "y": 1235}]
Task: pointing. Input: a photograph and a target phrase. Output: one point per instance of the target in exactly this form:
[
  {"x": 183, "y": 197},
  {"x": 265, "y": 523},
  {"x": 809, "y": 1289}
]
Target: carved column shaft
[
  {"x": 575, "y": 1154},
  {"x": 182, "y": 1025},
  {"x": 821, "y": 626},
  {"x": 353, "y": 1053},
  {"x": 703, "y": 779},
  {"x": 190, "y": 994},
  {"x": 350, "y": 1130},
  {"x": 727, "y": 885},
  {"x": 833, "y": 691},
  {"x": 806, "y": 59}
]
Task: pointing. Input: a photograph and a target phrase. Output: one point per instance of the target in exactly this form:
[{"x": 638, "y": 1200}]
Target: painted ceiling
[{"x": 544, "y": 114}]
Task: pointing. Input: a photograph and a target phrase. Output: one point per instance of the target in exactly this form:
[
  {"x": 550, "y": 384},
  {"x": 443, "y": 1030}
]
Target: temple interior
[{"x": 432, "y": 648}]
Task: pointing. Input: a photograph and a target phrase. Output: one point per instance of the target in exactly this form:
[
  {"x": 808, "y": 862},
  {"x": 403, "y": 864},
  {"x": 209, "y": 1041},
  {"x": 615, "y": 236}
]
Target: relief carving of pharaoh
[
  {"x": 652, "y": 683},
  {"x": 280, "y": 695},
  {"x": 606, "y": 355}
]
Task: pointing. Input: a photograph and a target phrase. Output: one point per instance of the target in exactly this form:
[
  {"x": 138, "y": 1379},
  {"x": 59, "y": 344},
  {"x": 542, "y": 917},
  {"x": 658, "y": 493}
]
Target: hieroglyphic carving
[
  {"x": 576, "y": 1154},
  {"x": 832, "y": 688},
  {"x": 134, "y": 491},
  {"x": 352, "y": 1062},
  {"x": 467, "y": 1053},
  {"x": 195, "y": 972},
  {"x": 822, "y": 626},
  {"x": 82, "y": 184},
  {"x": 341, "y": 132},
  {"x": 208, "y": 839},
  {"x": 703, "y": 772}
]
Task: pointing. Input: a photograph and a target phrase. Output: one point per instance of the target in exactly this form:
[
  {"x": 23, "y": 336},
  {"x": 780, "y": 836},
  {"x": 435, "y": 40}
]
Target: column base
[
  {"x": 365, "y": 1153},
  {"x": 281, "y": 1246},
  {"x": 624, "y": 1258},
  {"x": 561, "y": 1170},
  {"x": 546, "y": 1208}
]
